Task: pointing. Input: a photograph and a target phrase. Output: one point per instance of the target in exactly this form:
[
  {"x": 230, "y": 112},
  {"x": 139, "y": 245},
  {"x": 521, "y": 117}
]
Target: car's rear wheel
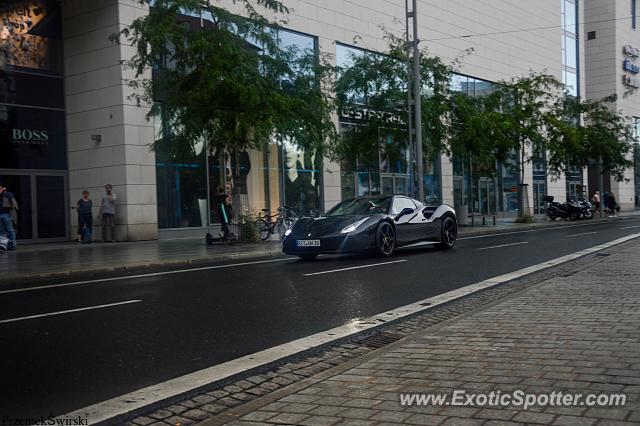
[
  {"x": 307, "y": 256},
  {"x": 385, "y": 240},
  {"x": 448, "y": 233}
]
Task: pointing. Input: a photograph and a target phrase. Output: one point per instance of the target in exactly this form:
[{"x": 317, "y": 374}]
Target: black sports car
[{"x": 375, "y": 224}]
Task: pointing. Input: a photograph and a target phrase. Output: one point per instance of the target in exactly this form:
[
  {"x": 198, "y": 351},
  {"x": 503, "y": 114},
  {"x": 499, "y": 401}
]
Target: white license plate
[{"x": 308, "y": 243}]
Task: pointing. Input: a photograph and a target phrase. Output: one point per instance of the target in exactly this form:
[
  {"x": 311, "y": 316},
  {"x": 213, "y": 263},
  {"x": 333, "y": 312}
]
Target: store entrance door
[
  {"x": 485, "y": 197},
  {"x": 41, "y": 198},
  {"x": 539, "y": 191}
]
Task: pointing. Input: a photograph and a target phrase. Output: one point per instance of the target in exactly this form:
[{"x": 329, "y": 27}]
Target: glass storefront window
[
  {"x": 30, "y": 35},
  {"x": 277, "y": 174}
]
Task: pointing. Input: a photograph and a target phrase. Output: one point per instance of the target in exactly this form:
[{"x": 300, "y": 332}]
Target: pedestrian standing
[
  {"x": 612, "y": 205},
  {"x": 8, "y": 215},
  {"x": 85, "y": 218},
  {"x": 108, "y": 212},
  {"x": 225, "y": 212},
  {"x": 596, "y": 200}
]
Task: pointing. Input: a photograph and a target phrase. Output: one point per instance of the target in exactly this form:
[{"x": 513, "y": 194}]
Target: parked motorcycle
[
  {"x": 586, "y": 209},
  {"x": 572, "y": 209}
]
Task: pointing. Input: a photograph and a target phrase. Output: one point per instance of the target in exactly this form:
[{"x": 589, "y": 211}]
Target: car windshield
[{"x": 361, "y": 206}]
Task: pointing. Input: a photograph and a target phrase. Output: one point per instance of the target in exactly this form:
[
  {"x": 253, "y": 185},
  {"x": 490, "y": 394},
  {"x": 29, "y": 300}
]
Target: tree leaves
[{"x": 227, "y": 78}]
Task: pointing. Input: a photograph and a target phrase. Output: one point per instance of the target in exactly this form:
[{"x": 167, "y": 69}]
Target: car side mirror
[{"x": 405, "y": 211}]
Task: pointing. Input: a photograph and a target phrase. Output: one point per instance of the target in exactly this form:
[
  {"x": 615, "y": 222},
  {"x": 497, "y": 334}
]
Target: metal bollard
[
  {"x": 484, "y": 221},
  {"x": 494, "y": 220}
]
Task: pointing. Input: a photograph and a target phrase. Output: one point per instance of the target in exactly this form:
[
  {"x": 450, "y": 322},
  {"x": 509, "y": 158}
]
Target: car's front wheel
[
  {"x": 448, "y": 233},
  {"x": 385, "y": 240}
]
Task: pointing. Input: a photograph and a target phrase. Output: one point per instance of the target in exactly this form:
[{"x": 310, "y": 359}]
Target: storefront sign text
[
  {"x": 366, "y": 114},
  {"x": 29, "y": 136}
]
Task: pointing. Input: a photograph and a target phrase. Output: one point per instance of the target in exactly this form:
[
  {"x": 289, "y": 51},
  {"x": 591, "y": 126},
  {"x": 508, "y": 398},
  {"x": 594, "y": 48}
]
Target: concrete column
[
  {"x": 446, "y": 179},
  {"x": 97, "y": 104}
]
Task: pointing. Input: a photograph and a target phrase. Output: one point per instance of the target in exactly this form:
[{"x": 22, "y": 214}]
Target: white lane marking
[
  {"x": 130, "y": 277},
  {"x": 123, "y": 404},
  {"x": 68, "y": 311},
  {"x": 503, "y": 245},
  {"x": 630, "y": 227},
  {"x": 354, "y": 267},
  {"x": 584, "y": 233},
  {"x": 542, "y": 228}
]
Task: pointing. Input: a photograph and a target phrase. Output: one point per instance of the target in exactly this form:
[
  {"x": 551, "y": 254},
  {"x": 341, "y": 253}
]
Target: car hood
[{"x": 317, "y": 227}]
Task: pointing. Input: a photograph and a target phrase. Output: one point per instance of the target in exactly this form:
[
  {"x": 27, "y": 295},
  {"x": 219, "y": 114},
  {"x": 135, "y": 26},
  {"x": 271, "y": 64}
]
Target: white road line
[
  {"x": 630, "y": 227},
  {"x": 123, "y": 404},
  {"x": 503, "y": 245},
  {"x": 130, "y": 277},
  {"x": 68, "y": 311},
  {"x": 542, "y": 228},
  {"x": 584, "y": 233},
  {"x": 354, "y": 267}
]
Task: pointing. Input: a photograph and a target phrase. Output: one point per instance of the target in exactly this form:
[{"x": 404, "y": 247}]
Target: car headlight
[
  {"x": 287, "y": 232},
  {"x": 353, "y": 226}
]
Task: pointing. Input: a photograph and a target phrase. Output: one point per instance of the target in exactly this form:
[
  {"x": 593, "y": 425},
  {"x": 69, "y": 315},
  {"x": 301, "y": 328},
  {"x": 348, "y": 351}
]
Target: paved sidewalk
[
  {"x": 578, "y": 333},
  {"x": 41, "y": 261}
]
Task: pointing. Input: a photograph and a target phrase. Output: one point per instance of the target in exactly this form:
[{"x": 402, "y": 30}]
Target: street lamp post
[{"x": 415, "y": 100}]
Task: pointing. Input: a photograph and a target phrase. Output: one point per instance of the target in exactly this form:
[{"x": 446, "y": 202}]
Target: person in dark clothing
[
  {"x": 225, "y": 212},
  {"x": 612, "y": 205},
  {"x": 85, "y": 216},
  {"x": 7, "y": 207}
]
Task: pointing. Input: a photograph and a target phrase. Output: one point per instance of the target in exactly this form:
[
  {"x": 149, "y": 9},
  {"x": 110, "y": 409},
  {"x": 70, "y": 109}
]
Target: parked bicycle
[{"x": 281, "y": 221}]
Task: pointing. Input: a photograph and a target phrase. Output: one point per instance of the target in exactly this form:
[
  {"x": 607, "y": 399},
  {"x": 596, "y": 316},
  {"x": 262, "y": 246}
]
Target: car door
[{"x": 408, "y": 225}]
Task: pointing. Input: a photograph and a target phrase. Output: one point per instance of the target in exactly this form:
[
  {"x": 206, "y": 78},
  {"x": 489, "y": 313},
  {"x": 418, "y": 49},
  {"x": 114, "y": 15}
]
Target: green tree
[
  {"x": 522, "y": 109},
  {"x": 591, "y": 132},
  {"x": 225, "y": 78}
]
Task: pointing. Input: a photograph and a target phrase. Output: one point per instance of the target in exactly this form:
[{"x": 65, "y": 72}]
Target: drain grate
[
  {"x": 380, "y": 339},
  {"x": 603, "y": 254}
]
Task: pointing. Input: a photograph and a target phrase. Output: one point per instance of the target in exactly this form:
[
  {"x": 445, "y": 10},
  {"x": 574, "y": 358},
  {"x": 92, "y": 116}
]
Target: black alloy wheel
[
  {"x": 448, "y": 233},
  {"x": 385, "y": 240}
]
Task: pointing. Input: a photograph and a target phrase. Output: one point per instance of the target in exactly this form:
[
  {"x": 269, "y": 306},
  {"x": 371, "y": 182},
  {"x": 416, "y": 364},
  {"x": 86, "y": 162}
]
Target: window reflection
[{"x": 30, "y": 35}]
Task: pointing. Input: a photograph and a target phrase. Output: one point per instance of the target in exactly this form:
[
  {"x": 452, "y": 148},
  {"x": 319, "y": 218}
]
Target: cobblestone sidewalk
[{"x": 578, "y": 333}]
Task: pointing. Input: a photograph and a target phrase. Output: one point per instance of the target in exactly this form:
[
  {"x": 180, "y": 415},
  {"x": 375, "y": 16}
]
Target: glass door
[
  {"x": 42, "y": 201},
  {"x": 539, "y": 190}
]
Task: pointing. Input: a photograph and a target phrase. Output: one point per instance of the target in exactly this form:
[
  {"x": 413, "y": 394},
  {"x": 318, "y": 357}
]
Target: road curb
[
  {"x": 548, "y": 225},
  {"x": 139, "y": 267}
]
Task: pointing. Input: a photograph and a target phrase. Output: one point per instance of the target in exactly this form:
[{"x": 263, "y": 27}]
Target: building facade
[{"x": 68, "y": 122}]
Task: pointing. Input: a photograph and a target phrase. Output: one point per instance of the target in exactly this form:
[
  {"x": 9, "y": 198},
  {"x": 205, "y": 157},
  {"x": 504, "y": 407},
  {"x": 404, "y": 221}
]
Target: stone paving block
[
  {"x": 218, "y": 393},
  {"x": 196, "y": 414},
  {"x": 327, "y": 410},
  {"x": 161, "y": 414},
  {"x": 258, "y": 416},
  {"x": 563, "y": 420},
  {"x": 288, "y": 418},
  {"x": 178, "y": 421},
  {"x": 143, "y": 420},
  {"x": 320, "y": 421},
  {"x": 213, "y": 408},
  {"x": 203, "y": 399},
  {"x": 424, "y": 419},
  {"x": 607, "y": 413},
  {"x": 457, "y": 421},
  {"x": 358, "y": 413},
  {"x": 390, "y": 417},
  {"x": 531, "y": 417},
  {"x": 177, "y": 408},
  {"x": 495, "y": 414}
]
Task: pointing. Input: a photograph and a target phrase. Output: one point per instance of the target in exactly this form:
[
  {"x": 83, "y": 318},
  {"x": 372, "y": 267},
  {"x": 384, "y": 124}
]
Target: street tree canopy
[{"x": 225, "y": 77}]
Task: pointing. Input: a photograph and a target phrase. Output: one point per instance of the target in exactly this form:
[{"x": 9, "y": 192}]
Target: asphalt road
[{"x": 164, "y": 326}]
